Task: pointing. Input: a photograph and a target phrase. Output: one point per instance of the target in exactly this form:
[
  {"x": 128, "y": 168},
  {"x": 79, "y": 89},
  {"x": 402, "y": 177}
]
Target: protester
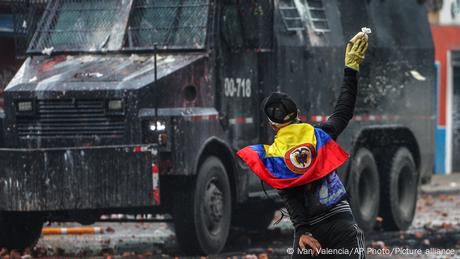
[{"x": 302, "y": 163}]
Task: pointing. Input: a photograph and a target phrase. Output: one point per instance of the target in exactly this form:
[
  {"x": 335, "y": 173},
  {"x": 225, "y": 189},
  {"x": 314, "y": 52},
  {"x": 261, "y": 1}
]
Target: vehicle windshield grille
[
  {"x": 79, "y": 25},
  {"x": 113, "y": 25},
  {"x": 169, "y": 24}
]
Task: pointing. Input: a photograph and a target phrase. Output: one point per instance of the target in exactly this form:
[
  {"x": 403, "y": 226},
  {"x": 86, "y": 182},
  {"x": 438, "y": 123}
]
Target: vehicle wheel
[
  {"x": 398, "y": 190},
  {"x": 364, "y": 189},
  {"x": 202, "y": 210},
  {"x": 254, "y": 217},
  {"x": 19, "y": 230}
]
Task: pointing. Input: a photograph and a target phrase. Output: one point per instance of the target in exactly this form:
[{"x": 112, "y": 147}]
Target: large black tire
[
  {"x": 364, "y": 189},
  {"x": 19, "y": 230},
  {"x": 202, "y": 210},
  {"x": 398, "y": 190},
  {"x": 254, "y": 217}
]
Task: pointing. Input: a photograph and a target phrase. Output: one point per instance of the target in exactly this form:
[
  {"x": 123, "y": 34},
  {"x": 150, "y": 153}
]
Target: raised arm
[{"x": 345, "y": 106}]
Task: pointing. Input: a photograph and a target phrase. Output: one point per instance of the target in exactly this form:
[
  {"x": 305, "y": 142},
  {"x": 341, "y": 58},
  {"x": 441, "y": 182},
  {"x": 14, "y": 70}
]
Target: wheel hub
[{"x": 215, "y": 204}]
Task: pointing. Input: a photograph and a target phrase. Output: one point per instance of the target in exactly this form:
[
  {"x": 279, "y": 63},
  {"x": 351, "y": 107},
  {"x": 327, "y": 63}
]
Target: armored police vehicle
[{"x": 138, "y": 107}]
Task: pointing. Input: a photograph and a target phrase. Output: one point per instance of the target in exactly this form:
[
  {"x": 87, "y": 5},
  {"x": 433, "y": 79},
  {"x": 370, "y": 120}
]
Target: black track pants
[{"x": 339, "y": 236}]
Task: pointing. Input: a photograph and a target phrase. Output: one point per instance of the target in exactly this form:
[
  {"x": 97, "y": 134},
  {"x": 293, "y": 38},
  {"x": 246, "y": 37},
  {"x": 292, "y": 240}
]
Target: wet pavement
[{"x": 435, "y": 233}]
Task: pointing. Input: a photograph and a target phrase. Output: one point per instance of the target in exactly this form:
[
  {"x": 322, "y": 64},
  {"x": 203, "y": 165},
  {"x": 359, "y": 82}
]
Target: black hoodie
[{"x": 295, "y": 198}]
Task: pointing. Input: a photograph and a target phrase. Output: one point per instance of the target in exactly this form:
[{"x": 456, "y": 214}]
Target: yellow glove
[{"x": 356, "y": 50}]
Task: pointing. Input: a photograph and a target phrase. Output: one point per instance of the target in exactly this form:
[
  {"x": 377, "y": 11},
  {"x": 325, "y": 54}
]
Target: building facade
[{"x": 445, "y": 19}]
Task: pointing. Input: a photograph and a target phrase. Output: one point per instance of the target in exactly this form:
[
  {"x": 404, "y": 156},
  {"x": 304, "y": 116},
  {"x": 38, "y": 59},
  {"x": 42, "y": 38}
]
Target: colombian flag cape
[{"x": 300, "y": 155}]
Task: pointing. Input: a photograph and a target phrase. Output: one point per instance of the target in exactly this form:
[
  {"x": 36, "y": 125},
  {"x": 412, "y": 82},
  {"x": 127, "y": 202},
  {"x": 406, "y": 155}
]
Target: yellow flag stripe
[{"x": 289, "y": 137}]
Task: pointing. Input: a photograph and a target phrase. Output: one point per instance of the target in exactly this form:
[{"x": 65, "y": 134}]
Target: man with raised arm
[{"x": 302, "y": 163}]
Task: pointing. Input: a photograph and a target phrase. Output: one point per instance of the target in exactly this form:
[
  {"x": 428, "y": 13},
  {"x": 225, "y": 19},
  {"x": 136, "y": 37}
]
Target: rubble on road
[{"x": 436, "y": 225}]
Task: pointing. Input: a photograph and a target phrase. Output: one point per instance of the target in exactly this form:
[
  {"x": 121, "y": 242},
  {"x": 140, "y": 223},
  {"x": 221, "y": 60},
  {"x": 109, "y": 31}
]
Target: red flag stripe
[{"x": 329, "y": 157}]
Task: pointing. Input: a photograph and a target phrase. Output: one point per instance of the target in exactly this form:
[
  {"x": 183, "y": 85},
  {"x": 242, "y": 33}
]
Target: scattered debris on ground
[{"x": 436, "y": 226}]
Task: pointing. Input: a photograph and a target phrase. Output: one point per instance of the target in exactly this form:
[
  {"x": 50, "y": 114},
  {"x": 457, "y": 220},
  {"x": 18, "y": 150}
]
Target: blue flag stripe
[
  {"x": 275, "y": 165},
  {"x": 321, "y": 138}
]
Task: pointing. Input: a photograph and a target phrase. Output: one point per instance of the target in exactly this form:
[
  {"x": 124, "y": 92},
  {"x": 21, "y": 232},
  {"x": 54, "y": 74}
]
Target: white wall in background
[{"x": 450, "y": 12}]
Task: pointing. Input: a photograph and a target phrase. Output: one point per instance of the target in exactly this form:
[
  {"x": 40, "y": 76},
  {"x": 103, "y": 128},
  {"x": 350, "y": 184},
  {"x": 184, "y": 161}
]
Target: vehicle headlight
[
  {"x": 157, "y": 125},
  {"x": 115, "y": 105},
  {"x": 24, "y": 106},
  {"x": 155, "y": 131}
]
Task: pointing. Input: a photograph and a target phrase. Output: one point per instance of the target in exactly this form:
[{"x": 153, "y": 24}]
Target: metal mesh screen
[
  {"x": 169, "y": 24},
  {"x": 79, "y": 25}
]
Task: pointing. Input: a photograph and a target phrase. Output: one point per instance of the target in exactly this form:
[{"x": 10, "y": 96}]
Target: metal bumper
[{"x": 78, "y": 178}]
